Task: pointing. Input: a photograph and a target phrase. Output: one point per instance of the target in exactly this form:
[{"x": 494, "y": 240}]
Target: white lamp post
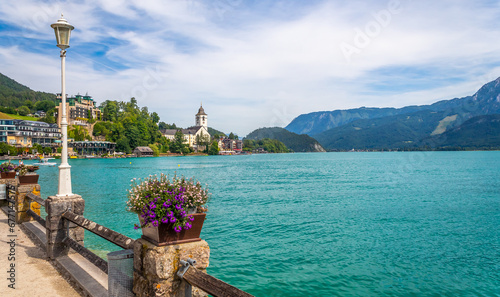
[{"x": 63, "y": 31}]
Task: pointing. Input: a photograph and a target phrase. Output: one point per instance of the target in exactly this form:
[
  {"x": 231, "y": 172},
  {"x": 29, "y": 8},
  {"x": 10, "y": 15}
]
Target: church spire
[{"x": 201, "y": 117}]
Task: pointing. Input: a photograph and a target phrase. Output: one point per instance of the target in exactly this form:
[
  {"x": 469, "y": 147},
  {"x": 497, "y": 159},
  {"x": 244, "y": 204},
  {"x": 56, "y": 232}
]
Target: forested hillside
[
  {"x": 18, "y": 99},
  {"x": 293, "y": 141},
  {"x": 129, "y": 126}
]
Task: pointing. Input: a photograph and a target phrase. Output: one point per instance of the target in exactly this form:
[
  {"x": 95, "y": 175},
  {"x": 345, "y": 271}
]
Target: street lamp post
[{"x": 63, "y": 31}]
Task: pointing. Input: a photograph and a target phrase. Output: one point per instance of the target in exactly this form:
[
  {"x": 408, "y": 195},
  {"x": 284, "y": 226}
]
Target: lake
[{"x": 326, "y": 224}]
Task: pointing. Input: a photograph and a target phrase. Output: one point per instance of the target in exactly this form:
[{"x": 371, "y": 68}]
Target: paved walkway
[{"x": 34, "y": 275}]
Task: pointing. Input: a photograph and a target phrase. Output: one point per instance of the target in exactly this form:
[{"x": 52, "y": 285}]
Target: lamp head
[{"x": 63, "y": 32}]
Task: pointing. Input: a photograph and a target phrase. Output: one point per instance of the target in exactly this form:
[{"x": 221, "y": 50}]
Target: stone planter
[
  {"x": 10, "y": 174},
  {"x": 164, "y": 234},
  {"x": 28, "y": 179}
]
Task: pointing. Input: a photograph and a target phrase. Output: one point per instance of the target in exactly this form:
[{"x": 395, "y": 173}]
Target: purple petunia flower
[
  {"x": 178, "y": 207},
  {"x": 188, "y": 226},
  {"x": 155, "y": 223},
  {"x": 191, "y": 218},
  {"x": 164, "y": 220},
  {"x": 178, "y": 229},
  {"x": 173, "y": 219}
]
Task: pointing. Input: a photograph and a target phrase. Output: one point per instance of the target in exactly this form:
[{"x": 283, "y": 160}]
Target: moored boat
[{"x": 45, "y": 162}]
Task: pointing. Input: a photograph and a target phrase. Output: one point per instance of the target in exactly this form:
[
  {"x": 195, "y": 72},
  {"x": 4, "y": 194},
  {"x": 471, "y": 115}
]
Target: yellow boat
[{"x": 73, "y": 157}]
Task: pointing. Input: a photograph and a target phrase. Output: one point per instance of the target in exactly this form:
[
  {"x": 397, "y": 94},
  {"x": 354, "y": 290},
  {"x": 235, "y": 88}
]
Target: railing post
[
  {"x": 155, "y": 267},
  {"x": 58, "y": 228}
]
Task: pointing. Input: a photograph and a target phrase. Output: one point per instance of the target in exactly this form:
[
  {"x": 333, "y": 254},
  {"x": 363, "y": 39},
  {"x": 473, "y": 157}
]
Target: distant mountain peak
[
  {"x": 393, "y": 128},
  {"x": 314, "y": 123}
]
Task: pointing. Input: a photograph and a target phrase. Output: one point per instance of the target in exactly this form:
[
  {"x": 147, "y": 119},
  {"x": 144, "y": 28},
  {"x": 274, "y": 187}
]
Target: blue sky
[{"x": 255, "y": 63}]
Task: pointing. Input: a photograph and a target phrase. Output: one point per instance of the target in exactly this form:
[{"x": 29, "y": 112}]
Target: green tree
[
  {"x": 29, "y": 104},
  {"x": 155, "y": 117},
  {"x": 49, "y": 119},
  {"x": 6, "y": 149},
  {"x": 269, "y": 145},
  {"x": 102, "y": 129},
  {"x": 214, "y": 148},
  {"x": 178, "y": 145},
  {"x": 111, "y": 110},
  {"x": 163, "y": 126},
  {"x": 44, "y": 105},
  {"x": 122, "y": 145},
  {"x": 78, "y": 133},
  {"x": 23, "y": 110},
  {"x": 156, "y": 151},
  {"x": 37, "y": 147},
  {"x": 47, "y": 150},
  {"x": 163, "y": 144},
  {"x": 203, "y": 140}
]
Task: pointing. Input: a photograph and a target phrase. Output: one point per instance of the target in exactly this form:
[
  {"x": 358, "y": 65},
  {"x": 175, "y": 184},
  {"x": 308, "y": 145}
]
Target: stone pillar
[
  {"x": 23, "y": 204},
  {"x": 56, "y": 227},
  {"x": 155, "y": 267}
]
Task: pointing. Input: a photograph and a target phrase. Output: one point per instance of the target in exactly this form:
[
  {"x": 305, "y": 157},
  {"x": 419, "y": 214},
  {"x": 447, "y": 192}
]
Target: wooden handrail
[
  {"x": 36, "y": 198},
  {"x": 106, "y": 233},
  {"x": 211, "y": 285},
  {"x": 86, "y": 253},
  {"x": 36, "y": 217}
]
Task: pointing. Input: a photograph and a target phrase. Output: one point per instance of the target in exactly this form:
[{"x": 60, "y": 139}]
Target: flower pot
[
  {"x": 28, "y": 179},
  {"x": 10, "y": 174},
  {"x": 164, "y": 234}
]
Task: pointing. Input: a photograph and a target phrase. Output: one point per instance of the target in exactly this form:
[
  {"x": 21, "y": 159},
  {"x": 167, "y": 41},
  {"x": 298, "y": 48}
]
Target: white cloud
[{"x": 266, "y": 69}]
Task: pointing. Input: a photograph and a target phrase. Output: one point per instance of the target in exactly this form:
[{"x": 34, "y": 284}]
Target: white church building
[{"x": 190, "y": 134}]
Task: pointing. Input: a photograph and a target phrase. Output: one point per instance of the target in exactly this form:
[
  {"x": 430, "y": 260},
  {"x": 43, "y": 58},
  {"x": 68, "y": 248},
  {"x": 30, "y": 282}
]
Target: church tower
[{"x": 201, "y": 118}]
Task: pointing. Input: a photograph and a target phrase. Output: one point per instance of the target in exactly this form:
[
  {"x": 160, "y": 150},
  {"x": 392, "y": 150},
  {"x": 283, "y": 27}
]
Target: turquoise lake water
[{"x": 326, "y": 224}]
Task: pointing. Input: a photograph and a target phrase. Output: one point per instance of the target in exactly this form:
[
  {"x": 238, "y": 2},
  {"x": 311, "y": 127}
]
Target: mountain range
[{"x": 436, "y": 126}]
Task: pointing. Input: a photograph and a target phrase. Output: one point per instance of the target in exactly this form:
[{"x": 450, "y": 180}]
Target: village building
[
  {"x": 24, "y": 133},
  {"x": 79, "y": 109},
  {"x": 192, "y": 134},
  {"x": 230, "y": 146},
  {"x": 92, "y": 147},
  {"x": 143, "y": 151}
]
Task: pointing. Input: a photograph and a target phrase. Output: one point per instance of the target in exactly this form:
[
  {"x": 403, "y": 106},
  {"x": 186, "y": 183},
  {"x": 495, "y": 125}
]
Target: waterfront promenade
[{"x": 34, "y": 275}]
